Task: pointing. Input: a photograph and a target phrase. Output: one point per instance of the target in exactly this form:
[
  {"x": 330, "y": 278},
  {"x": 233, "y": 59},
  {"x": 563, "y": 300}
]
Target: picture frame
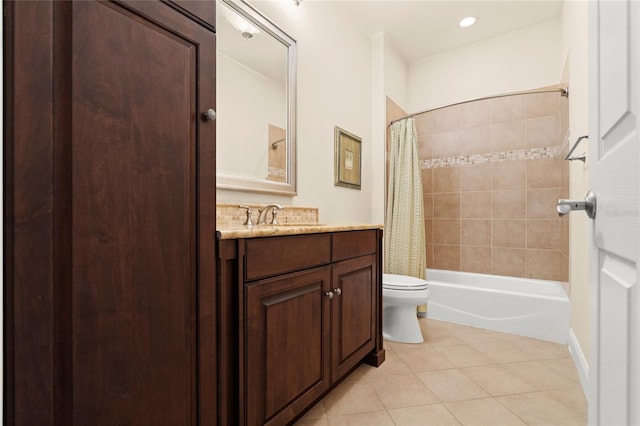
[{"x": 348, "y": 159}]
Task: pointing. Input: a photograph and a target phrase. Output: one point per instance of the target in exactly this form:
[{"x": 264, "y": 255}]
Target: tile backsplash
[{"x": 231, "y": 215}]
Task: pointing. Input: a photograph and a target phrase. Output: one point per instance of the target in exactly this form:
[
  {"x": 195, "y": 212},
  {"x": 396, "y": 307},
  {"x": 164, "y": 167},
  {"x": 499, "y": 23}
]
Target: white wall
[
  {"x": 575, "y": 50},
  {"x": 334, "y": 89},
  {"x": 520, "y": 60},
  {"x": 395, "y": 75}
]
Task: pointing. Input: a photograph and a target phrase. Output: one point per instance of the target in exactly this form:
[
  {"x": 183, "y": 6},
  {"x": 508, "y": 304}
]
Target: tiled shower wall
[{"x": 492, "y": 173}]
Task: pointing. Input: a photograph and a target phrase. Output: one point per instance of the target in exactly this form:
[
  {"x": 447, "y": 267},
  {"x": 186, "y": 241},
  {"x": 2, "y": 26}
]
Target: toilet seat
[{"x": 403, "y": 282}]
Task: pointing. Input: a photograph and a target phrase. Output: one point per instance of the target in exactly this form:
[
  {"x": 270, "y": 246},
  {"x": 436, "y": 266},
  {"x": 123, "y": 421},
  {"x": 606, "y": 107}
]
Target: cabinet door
[
  {"x": 142, "y": 163},
  {"x": 287, "y": 345},
  {"x": 129, "y": 287},
  {"x": 353, "y": 312}
]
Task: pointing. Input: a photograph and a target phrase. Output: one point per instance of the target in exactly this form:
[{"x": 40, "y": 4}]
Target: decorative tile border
[{"x": 497, "y": 157}]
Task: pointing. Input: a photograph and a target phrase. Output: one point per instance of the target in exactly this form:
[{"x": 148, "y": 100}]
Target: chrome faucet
[{"x": 262, "y": 217}]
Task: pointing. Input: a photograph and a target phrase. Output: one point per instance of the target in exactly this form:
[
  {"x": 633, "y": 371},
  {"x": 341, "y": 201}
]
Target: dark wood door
[
  {"x": 353, "y": 313},
  {"x": 130, "y": 295},
  {"x": 287, "y": 345}
]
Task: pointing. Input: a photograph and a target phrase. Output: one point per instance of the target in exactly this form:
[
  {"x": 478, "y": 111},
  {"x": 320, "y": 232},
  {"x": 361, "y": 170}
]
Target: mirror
[{"x": 256, "y": 81}]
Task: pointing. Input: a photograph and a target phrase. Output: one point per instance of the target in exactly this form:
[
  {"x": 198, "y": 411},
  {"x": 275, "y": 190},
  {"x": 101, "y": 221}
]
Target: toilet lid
[{"x": 403, "y": 282}]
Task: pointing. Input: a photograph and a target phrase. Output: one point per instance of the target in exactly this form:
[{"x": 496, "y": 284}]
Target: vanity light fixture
[{"x": 467, "y": 22}]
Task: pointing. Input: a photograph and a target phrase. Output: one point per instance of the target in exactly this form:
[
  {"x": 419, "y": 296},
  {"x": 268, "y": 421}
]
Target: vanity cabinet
[{"x": 308, "y": 311}]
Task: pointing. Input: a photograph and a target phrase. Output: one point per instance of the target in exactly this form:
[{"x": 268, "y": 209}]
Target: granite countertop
[{"x": 241, "y": 231}]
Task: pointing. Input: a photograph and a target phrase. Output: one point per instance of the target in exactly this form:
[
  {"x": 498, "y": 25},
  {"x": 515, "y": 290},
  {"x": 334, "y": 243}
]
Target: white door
[{"x": 614, "y": 117}]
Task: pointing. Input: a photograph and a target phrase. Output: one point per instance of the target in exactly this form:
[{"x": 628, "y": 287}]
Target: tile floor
[{"x": 459, "y": 375}]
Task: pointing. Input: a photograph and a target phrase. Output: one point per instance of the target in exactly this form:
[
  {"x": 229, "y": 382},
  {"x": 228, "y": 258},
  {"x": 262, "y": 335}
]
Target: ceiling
[{"x": 422, "y": 28}]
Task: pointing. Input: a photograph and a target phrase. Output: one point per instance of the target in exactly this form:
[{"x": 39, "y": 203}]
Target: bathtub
[{"x": 526, "y": 307}]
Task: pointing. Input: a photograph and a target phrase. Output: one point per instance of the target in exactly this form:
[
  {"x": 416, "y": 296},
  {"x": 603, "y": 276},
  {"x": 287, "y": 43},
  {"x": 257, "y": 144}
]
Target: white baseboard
[{"x": 579, "y": 360}]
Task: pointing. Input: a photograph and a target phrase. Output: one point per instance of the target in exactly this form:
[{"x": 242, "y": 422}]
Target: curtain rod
[{"x": 563, "y": 92}]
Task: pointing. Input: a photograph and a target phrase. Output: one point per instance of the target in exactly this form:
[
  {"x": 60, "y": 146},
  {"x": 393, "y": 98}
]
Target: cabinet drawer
[
  {"x": 266, "y": 257},
  {"x": 353, "y": 244}
]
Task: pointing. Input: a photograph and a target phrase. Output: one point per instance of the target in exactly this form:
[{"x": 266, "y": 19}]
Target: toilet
[{"x": 401, "y": 295}]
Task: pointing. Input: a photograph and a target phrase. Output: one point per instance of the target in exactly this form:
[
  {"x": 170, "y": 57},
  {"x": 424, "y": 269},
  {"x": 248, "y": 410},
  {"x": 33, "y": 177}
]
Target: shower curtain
[{"x": 404, "y": 243}]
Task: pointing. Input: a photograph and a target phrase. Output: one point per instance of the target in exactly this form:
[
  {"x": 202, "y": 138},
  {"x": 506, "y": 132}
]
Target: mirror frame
[{"x": 251, "y": 184}]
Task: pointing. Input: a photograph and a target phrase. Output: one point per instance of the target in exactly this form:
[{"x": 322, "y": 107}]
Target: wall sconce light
[{"x": 297, "y": 2}]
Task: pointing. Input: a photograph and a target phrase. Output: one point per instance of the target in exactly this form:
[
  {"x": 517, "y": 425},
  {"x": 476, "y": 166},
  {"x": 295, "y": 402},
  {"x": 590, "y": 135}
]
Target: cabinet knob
[
  {"x": 209, "y": 115},
  {"x": 329, "y": 294},
  {"x": 338, "y": 291}
]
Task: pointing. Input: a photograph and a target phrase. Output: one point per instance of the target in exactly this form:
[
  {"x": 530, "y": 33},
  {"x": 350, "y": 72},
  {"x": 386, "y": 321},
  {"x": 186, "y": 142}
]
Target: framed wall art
[{"x": 348, "y": 159}]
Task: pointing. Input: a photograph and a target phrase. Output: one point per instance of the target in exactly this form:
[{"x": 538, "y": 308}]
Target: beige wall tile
[
  {"x": 427, "y": 200},
  {"x": 507, "y": 108},
  {"x": 446, "y": 179},
  {"x": 508, "y": 261},
  {"x": 544, "y": 234},
  {"x": 424, "y": 124},
  {"x": 475, "y": 259},
  {"x": 425, "y": 146},
  {"x": 394, "y": 112},
  {"x": 547, "y": 265},
  {"x": 475, "y": 232},
  {"x": 430, "y": 252},
  {"x": 446, "y": 205},
  {"x": 542, "y": 203},
  {"x": 476, "y": 140},
  {"x": 564, "y": 236},
  {"x": 543, "y": 131},
  {"x": 446, "y": 231},
  {"x": 541, "y": 104},
  {"x": 508, "y": 233},
  {"x": 508, "y": 136},
  {"x": 508, "y": 175},
  {"x": 446, "y": 257},
  {"x": 427, "y": 180},
  {"x": 446, "y": 144},
  {"x": 475, "y": 204},
  {"x": 461, "y": 116},
  {"x": 475, "y": 177},
  {"x": 508, "y": 204},
  {"x": 545, "y": 173},
  {"x": 428, "y": 230}
]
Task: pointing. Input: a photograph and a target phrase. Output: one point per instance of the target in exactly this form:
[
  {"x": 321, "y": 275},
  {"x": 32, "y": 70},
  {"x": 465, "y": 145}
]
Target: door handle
[{"x": 588, "y": 205}]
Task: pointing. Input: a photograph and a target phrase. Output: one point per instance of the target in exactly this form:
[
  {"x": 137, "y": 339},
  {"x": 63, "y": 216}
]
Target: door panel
[
  {"x": 614, "y": 63},
  {"x": 287, "y": 326},
  {"x": 134, "y": 217},
  {"x": 614, "y": 105},
  {"x": 353, "y": 313}
]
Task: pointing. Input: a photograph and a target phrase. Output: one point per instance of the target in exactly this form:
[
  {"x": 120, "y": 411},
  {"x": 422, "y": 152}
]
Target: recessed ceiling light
[{"x": 467, "y": 22}]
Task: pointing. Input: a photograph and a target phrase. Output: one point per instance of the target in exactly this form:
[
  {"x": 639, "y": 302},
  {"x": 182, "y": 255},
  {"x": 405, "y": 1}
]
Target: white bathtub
[{"x": 527, "y": 307}]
